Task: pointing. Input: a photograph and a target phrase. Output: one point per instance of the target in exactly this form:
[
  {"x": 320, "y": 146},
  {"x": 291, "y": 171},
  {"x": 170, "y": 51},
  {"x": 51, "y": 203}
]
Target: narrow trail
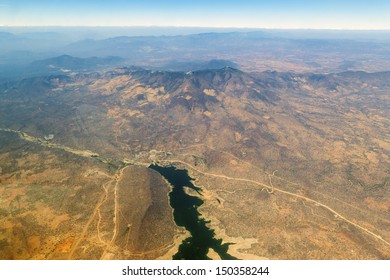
[
  {"x": 100, "y": 216},
  {"x": 117, "y": 179},
  {"x": 88, "y": 223},
  {"x": 274, "y": 189}
]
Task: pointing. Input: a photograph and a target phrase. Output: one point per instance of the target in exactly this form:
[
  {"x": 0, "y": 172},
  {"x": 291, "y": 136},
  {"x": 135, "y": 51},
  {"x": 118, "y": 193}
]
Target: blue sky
[{"x": 329, "y": 14}]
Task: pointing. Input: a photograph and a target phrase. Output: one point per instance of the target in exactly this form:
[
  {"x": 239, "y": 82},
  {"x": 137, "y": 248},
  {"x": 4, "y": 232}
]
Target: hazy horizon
[
  {"x": 280, "y": 14},
  {"x": 75, "y": 33}
]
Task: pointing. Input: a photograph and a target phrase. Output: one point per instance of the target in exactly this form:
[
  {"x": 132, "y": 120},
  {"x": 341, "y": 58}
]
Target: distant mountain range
[{"x": 251, "y": 51}]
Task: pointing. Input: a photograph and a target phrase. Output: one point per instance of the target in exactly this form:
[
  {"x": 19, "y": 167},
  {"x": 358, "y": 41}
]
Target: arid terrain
[
  {"x": 61, "y": 204},
  {"x": 290, "y": 165}
]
